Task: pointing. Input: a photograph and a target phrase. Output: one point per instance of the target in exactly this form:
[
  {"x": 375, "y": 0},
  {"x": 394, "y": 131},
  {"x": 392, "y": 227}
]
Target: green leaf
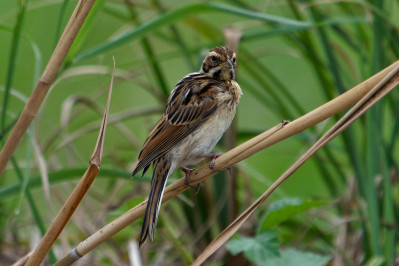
[
  {"x": 65, "y": 175},
  {"x": 178, "y": 14},
  {"x": 292, "y": 257},
  {"x": 84, "y": 32},
  {"x": 258, "y": 249},
  {"x": 282, "y": 210},
  {"x": 12, "y": 63},
  {"x": 376, "y": 261},
  {"x": 203, "y": 28}
]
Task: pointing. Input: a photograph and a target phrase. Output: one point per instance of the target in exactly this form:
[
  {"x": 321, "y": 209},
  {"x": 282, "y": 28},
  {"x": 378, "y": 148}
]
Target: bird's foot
[
  {"x": 187, "y": 172},
  {"x": 214, "y": 156}
]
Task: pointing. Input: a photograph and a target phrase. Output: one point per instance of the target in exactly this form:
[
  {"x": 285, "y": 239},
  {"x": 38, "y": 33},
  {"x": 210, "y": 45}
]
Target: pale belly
[{"x": 202, "y": 141}]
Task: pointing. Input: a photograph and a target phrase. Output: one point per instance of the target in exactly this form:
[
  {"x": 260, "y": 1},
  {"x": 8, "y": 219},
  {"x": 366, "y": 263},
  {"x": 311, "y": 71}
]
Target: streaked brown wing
[{"x": 181, "y": 118}]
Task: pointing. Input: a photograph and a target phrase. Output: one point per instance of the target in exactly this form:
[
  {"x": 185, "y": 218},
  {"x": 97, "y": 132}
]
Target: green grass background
[{"x": 293, "y": 57}]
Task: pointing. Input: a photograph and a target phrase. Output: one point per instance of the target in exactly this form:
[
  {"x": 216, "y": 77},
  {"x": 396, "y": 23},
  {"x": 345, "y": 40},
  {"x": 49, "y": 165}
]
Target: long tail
[{"x": 162, "y": 171}]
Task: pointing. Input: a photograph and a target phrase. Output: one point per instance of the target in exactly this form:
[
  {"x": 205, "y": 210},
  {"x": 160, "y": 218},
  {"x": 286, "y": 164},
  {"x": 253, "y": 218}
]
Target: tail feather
[{"x": 162, "y": 171}]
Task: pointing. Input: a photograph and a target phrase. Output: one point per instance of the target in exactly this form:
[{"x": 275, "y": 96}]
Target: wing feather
[{"x": 184, "y": 114}]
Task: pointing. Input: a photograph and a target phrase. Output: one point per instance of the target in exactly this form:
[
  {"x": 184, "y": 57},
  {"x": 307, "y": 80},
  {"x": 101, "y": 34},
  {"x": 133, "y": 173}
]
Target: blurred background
[{"x": 340, "y": 208}]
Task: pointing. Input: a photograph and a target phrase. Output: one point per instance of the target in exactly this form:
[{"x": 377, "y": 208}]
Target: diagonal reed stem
[
  {"x": 241, "y": 152},
  {"x": 373, "y": 96}
]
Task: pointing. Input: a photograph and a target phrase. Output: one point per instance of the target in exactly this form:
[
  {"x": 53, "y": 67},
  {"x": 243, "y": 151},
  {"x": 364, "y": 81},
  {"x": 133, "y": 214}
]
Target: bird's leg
[{"x": 187, "y": 172}]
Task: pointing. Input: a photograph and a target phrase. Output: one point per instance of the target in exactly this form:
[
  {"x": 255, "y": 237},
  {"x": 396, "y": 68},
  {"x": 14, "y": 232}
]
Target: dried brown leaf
[{"x": 75, "y": 197}]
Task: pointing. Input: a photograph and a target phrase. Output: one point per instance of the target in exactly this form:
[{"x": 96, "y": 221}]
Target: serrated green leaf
[
  {"x": 282, "y": 210},
  {"x": 292, "y": 257},
  {"x": 256, "y": 249}
]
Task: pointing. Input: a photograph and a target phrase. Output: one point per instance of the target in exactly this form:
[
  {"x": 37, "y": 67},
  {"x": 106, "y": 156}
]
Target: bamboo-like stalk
[
  {"x": 43, "y": 85},
  {"x": 380, "y": 90},
  {"x": 63, "y": 216},
  {"x": 241, "y": 152},
  {"x": 76, "y": 196}
]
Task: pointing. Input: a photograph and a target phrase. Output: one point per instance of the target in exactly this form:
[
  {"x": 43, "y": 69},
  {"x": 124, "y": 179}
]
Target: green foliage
[
  {"x": 292, "y": 257},
  {"x": 282, "y": 210},
  {"x": 257, "y": 249},
  {"x": 263, "y": 249}
]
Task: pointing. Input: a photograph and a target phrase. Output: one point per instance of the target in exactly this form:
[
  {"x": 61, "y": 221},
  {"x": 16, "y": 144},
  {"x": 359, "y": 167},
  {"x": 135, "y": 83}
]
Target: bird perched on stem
[{"x": 199, "y": 110}]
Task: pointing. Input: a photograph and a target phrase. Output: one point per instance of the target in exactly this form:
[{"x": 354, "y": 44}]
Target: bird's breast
[{"x": 191, "y": 150}]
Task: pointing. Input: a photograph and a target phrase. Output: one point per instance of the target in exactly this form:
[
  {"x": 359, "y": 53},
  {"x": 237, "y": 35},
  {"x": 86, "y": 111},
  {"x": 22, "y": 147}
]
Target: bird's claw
[
  {"x": 187, "y": 172},
  {"x": 214, "y": 156}
]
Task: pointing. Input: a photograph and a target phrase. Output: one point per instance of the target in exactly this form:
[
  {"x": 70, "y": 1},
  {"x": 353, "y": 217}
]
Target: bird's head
[{"x": 220, "y": 63}]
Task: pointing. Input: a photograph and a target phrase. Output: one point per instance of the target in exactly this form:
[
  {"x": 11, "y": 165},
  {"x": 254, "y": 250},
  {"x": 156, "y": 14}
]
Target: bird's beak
[{"x": 228, "y": 64}]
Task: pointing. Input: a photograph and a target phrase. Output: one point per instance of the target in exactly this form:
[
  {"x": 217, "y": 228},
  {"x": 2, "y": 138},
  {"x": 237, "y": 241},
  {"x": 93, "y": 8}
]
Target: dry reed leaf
[
  {"x": 68, "y": 105},
  {"x": 134, "y": 253},
  {"x": 232, "y": 36},
  {"x": 67, "y": 116},
  {"x": 98, "y": 151},
  {"x": 76, "y": 195},
  {"x": 23, "y": 260},
  {"x": 344, "y": 238},
  {"x": 241, "y": 152},
  {"x": 42, "y": 165},
  {"x": 97, "y": 70},
  {"x": 62, "y": 217},
  {"x": 373, "y": 96},
  {"x": 114, "y": 119}
]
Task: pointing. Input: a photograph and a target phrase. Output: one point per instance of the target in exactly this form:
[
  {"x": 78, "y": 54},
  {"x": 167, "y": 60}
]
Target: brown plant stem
[
  {"x": 63, "y": 216},
  {"x": 241, "y": 152},
  {"x": 76, "y": 196},
  {"x": 42, "y": 86},
  {"x": 380, "y": 90}
]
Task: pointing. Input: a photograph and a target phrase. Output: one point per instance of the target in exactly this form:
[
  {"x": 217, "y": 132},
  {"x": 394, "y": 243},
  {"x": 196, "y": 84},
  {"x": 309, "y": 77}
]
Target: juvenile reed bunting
[{"x": 199, "y": 110}]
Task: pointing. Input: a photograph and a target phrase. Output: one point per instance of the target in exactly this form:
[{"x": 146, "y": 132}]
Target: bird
[{"x": 199, "y": 110}]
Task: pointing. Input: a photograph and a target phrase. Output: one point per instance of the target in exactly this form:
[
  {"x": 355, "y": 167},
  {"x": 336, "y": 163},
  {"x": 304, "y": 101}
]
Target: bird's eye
[
  {"x": 234, "y": 60},
  {"x": 213, "y": 58}
]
